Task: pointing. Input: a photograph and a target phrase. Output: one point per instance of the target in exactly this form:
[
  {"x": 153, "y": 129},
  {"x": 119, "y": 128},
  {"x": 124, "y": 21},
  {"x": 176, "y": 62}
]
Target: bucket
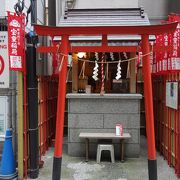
[{"x": 82, "y": 82}]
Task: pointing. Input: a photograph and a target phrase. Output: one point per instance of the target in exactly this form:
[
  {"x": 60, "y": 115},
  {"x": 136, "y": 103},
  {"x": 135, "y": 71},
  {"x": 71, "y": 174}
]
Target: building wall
[
  {"x": 60, "y": 6},
  {"x": 40, "y": 11},
  {"x": 2, "y": 8},
  {"x": 80, "y": 4},
  {"x": 8, "y": 5},
  {"x": 155, "y": 9},
  {"x": 159, "y": 10}
]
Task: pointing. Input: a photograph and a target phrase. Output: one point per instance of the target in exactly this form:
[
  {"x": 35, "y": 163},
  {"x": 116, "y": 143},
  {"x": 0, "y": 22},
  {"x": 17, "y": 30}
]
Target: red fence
[
  {"x": 47, "y": 104},
  {"x": 167, "y": 121},
  {"x": 47, "y": 112}
]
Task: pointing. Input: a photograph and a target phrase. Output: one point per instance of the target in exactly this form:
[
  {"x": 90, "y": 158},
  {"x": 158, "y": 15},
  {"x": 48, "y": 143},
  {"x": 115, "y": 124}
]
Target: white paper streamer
[
  {"x": 118, "y": 74},
  {"x": 95, "y": 72}
]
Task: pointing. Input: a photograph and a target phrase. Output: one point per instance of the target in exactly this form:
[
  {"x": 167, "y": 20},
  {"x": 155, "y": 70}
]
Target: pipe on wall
[{"x": 32, "y": 94}]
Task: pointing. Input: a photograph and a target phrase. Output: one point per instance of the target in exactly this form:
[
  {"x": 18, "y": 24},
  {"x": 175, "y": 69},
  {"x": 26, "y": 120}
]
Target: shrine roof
[{"x": 104, "y": 17}]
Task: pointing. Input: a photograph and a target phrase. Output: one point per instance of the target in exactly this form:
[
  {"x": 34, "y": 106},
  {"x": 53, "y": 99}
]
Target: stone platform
[{"x": 95, "y": 113}]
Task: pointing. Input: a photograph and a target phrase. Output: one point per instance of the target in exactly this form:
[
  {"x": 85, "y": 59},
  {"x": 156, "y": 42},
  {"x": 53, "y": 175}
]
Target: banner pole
[{"x": 20, "y": 125}]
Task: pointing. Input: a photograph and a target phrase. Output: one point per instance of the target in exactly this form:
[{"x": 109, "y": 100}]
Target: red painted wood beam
[
  {"x": 99, "y": 30},
  {"x": 53, "y": 49},
  {"x": 104, "y": 40},
  {"x": 152, "y": 164},
  {"x": 104, "y": 49}
]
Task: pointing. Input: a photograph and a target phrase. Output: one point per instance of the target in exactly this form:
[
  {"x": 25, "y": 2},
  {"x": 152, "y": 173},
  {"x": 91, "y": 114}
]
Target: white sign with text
[
  {"x": 4, "y": 60},
  {"x": 172, "y": 95}
]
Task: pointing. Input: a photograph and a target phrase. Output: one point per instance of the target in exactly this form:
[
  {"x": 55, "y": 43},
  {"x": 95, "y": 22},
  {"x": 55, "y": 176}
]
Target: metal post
[
  {"x": 52, "y": 15},
  {"x": 60, "y": 110},
  {"x": 152, "y": 163}
]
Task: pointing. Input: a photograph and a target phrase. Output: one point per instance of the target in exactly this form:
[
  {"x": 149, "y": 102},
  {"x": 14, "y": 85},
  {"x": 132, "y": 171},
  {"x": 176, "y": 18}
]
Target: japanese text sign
[
  {"x": 4, "y": 62},
  {"x": 16, "y": 45}
]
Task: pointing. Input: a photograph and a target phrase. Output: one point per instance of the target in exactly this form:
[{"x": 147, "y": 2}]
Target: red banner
[
  {"x": 16, "y": 41},
  {"x": 168, "y": 62},
  {"x": 175, "y": 55}
]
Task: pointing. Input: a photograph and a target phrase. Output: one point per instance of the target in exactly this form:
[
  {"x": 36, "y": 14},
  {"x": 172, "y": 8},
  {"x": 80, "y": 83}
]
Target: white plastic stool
[{"x": 105, "y": 147}]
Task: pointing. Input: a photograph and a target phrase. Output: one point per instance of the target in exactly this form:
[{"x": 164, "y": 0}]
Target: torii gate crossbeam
[{"x": 144, "y": 31}]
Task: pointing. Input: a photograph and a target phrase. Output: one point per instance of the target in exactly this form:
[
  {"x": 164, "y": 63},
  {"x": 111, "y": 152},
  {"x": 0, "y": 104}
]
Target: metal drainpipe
[
  {"x": 32, "y": 93},
  {"x": 52, "y": 9}
]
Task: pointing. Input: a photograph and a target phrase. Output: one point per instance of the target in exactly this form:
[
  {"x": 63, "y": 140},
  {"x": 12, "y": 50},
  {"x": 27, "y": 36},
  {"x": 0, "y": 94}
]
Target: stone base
[
  {"x": 78, "y": 150},
  {"x": 95, "y": 113}
]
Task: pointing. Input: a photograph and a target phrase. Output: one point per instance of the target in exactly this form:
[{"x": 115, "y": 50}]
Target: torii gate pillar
[
  {"x": 152, "y": 163},
  {"x": 57, "y": 161}
]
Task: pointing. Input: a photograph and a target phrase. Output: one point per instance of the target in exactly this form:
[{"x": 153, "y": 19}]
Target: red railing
[
  {"x": 47, "y": 104},
  {"x": 167, "y": 121},
  {"x": 47, "y": 112}
]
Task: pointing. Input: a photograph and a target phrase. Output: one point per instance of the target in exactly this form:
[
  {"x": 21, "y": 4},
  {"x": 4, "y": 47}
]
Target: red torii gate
[{"x": 65, "y": 48}]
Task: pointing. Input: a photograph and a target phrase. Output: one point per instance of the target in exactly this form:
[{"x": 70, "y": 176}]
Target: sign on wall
[
  {"x": 16, "y": 34},
  {"x": 4, "y": 62},
  {"x": 172, "y": 95}
]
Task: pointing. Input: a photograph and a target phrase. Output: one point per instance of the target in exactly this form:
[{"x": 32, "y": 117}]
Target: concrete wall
[
  {"x": 94, "y": 113},
  {"x": 80, "y": 4},
  {"x": 159, "y": 10},
  {"x": 41, "y": 12},
  {"x": 2, "y": 8},
  {"x": 155, "y": 9},
  {"x": 11, "y": 94},
  {"x": 60, "y": 6}
]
